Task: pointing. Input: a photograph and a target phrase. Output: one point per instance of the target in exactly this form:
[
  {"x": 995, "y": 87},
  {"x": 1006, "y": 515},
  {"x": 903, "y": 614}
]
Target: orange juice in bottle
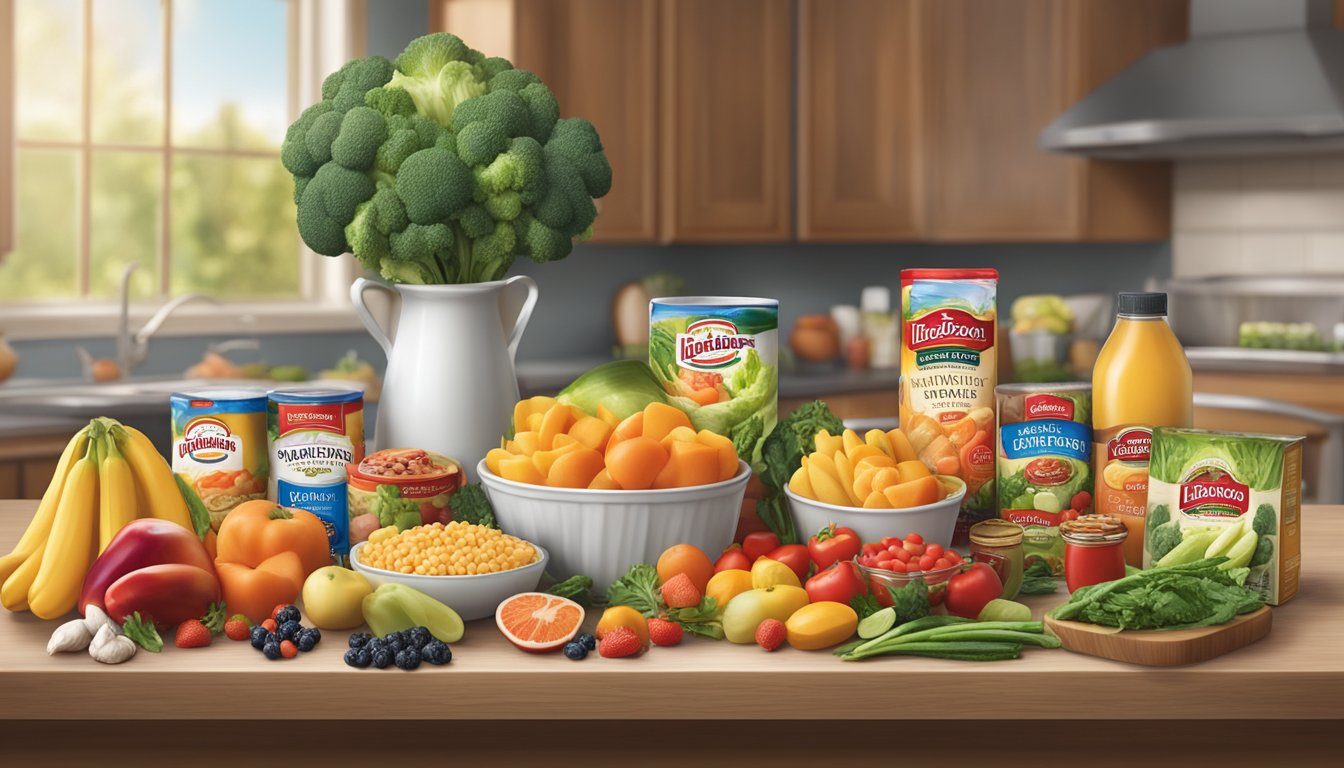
[{"x": 1141, "y": 380}]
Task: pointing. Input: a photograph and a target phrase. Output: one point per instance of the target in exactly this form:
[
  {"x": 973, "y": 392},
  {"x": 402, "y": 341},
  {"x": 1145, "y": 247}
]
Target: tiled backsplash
[{"x": 1263, "y": 216}]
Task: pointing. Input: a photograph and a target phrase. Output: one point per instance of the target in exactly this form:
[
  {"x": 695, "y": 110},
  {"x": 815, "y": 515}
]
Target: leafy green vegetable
[
  {"x": 1010, "y": 489},
  {"x": 1265, "y": 523},
  {"x": 391, "y": 509},
  {"x": 1264, "y": 552},
  {"x": 1158, "y": 516},
  {"x": 746, "y": 436},
  {"x": 623, "y": 386},
  {"x": 949, "y": 637},
  {"x": 702, "y": 620},
  {"x": 865, "y": 605},
  {"x": 638, "y": 588},
  {"x": 1038, "y": 580},
  {"x": 1163, "y": 539},
  {"x": 1196, "y": 594},
  {"x": 577, "y": 588},
  {"x": 1256, "y": 461},
  {"x": 470, "y": 505},
  {"x": 793, "y": 438},
  {"x": 910, "y": 601},
  {"x": 774, "y": 512},
  {"x": 143, "y": 632}
]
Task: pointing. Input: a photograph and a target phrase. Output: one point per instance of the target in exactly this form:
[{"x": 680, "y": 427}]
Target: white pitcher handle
[
  {"x": 524, "y": 314},
  {"x": 357, "y": 289}
]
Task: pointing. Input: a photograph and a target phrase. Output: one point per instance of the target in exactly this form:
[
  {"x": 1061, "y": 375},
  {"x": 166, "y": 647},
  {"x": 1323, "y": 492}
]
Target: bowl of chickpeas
[{"x": 470, "y": 568}]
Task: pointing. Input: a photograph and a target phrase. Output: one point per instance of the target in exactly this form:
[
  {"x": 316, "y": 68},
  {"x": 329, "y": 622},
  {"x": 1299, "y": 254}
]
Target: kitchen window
[{"x": 150, "y": 131}]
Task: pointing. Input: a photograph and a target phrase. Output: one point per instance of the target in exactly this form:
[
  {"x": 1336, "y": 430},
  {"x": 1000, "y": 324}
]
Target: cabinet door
[
  {"x": 726, "y": 82},
  {"x": 600, "y": 59},
  {"x": 858, "y": 126},
  {"x": 997, "y": 75}
]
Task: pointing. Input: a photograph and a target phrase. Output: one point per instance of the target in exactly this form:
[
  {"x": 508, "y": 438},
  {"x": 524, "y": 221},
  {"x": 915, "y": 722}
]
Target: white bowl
[
  {"x": 473, "y": 597},
  {"x": 602, "y": 533},
  {"x": 935, "y": 522}
]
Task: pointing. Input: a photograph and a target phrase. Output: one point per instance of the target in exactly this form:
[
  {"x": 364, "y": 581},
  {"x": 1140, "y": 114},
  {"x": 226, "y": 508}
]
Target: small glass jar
[
  {"x": 998, "y": 543},
  {"x": 1094, "y": 550}
]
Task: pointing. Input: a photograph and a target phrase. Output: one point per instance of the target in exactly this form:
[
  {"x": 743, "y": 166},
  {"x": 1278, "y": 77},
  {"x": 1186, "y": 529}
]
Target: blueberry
[
  {"x": 588, "y": 641},
  {"x": 394, "y": 643},
  {"x": 308, "y": 639},
  {"x": 375, "y": 645},
  {"x": 408, "y": 659},
  {"x": 271, "y": 649},
  {"x": 417, "y": 637},
  {"x": 358, "y": 657},
  {"x": 360, "y": 639},
  {"x": 258, "y": 637},
  {"x": 575, "y": 651},
  {"x": 288, "y": 613},
  {"x": 436, "y": 652},
  {"x": 289, "y": 630},
  {"x": 382, "y": 658}
]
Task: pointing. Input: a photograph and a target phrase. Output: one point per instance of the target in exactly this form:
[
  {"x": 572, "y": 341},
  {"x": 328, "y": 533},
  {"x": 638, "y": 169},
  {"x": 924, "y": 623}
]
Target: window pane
[
  {"x": 127, "y": 96},
  {"x": 124, "y": 221},
  {"x": 42, "y": 264},
  {"x": 48, "y": 66},
  {"x": 229, "y": 82},
  {"x": 233, "y": 231}
]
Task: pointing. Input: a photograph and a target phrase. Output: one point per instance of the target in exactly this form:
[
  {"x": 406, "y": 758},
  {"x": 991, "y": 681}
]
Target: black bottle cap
[{"x": 1143, "y": 304}]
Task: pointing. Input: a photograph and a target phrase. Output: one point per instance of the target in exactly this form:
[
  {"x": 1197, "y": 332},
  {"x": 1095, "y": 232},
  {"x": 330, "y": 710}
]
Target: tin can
[
  {"x": 719, "y": 353},
  {"x": 315, "y": 434},
  {"x": 219, "y": 446}
]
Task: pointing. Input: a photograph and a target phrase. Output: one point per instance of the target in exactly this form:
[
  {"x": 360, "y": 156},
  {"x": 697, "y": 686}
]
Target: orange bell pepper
[
  {"x": 254, "y": 592},
  {"x": 257, "y": 530}
]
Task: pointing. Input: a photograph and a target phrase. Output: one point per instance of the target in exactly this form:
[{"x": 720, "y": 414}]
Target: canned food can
[
  {"x": 219, "y": 446},
  {"x": 315, "y": 434}
]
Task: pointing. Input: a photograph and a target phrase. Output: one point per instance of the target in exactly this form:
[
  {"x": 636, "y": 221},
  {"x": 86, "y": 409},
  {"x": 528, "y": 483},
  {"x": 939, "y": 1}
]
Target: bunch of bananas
[{"x": 108, "y": 475}]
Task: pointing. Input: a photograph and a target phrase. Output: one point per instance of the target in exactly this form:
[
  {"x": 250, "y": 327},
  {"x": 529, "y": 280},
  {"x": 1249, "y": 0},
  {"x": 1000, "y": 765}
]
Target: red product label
[
  {"x": 949, "y": 327},
  {"x": 1026, "y": 517},
  {"x": 981, "y": 456},
  {"x": 1049, "y": 407},
  {"x": 1215, "y": 494},
  {"x": 1131, "y": 445},
  {"x": 327, "y": 417},
  {"x": 1047, "y": 471}
]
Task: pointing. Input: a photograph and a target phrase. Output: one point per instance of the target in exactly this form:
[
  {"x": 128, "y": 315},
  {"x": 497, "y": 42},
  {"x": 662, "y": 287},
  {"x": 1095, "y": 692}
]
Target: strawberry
[
  {"x": 664, "y": 632},
  {"x": 192, "y": 633},
  {"x": 770, "y": 634},
  {"x": 238, "y": 627},
  {"x": 680, "y": 592},
  {"x": 619, "y": 643},
  {"x": 288, "y": 649},
  {"x": 269, "y": 624}
]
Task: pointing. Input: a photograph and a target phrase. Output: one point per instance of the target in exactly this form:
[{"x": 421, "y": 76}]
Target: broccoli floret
[
  {"x": 1266, "y": 523},
  {"x": 745, "y": 436},
  {"x": 1162, "y": 539},
  {"x": 1158, "y": 516},
  {"x": 577, "y": 140},
  {"x": 470, "y": 505},
  {"x": 1264, "y": 552},
  {"x": 439, "y": 71},
  {"x": 416, "y": 253},
  {"x": 391, "y": 509}
]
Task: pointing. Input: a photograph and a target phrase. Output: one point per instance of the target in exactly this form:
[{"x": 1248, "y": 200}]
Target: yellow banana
[
  {"x": 40, "y": 526},
  {"x": 152, "y": 474},
  {"x": 116, "y": 494},
  {"x": 70, "y": 547},
  {"x": 14, "y": 592}
]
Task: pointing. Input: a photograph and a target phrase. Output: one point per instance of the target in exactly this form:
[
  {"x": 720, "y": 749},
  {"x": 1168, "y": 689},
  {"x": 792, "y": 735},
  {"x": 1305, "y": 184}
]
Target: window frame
[{"x": 322, "y": 36}]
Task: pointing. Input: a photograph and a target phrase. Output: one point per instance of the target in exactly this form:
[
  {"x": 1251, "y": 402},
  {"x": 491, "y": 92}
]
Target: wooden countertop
[{"x": 1297, "y": 672}]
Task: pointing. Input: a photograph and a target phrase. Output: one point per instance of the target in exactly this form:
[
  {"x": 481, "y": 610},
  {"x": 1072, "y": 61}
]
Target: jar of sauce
[
  {"x": 1094, "y": 550},
  {"x": 998, "y": 543}
]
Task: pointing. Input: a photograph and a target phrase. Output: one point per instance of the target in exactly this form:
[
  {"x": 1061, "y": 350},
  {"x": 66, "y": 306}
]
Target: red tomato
[
  {"x": 758, "y": 545},
  {"x": 896, "y": 566},
  {"x": 936, "y": 595},
  {"x": 732, "y": 559},
  {"x": 892, "y": 541},
  {"x": 832, "y": 544},
  {"x": 969, "y": 591},
  {"x": 903, "y": 555},
  {"x": 941, "y": 563},
  {"x": 915, "y": 538},
  {"x": 795, "y": 556},
  {"x": 914, "y": 547},
  {"x": 936, "y": 550},
  {"x": 1081, "y": 501},
  {"x": 839, "y": 583},
  {"x": 926, "y": 562},
  {"x": 872, "y": 549}
]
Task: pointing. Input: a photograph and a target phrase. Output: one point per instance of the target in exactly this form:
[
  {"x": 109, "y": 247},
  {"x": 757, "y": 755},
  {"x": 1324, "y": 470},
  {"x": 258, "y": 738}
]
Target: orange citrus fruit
[
  {"x": 538, "y": 622},
  {"x": 687, "y": 559},
  {"x": 623, "y": 616}
]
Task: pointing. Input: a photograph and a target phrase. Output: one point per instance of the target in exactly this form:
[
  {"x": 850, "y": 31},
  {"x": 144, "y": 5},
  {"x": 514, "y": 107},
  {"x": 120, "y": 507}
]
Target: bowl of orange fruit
[
  {"x": 875, "y": 484},
  {"x": 603, "y": 493}
]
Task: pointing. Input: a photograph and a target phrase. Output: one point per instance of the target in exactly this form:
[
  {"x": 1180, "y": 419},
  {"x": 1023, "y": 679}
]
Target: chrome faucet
[{"x": 133, "y": 347}]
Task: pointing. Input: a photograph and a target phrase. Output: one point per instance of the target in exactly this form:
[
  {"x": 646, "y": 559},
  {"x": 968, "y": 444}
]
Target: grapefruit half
[{"x": 537, "y": 622}]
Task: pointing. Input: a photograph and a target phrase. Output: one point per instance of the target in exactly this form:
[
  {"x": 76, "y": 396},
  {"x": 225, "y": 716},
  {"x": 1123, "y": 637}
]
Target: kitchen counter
[
  {"x": 546, "y": 377},
  {"x": 1275, "y": 361},
  {"x": 1295, "y": 673}
]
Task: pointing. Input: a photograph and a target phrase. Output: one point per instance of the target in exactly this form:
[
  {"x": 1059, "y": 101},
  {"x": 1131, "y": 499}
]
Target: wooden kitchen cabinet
[
  {"x": 996, "y": 73},
  {"x": 726, "y": 82}
]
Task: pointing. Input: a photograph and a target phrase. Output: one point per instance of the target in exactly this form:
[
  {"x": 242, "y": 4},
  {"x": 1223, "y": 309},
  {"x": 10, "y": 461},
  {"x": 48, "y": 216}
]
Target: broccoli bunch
[{"x": 442, "y": 167}]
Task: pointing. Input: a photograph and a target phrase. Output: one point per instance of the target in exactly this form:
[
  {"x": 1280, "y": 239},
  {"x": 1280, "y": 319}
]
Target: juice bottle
[{"x": 1141, "y": 380}]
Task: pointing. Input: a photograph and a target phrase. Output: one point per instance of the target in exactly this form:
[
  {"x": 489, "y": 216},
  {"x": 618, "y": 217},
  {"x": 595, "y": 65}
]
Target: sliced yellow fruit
[
  {"x": 878, "y": 439},
  {"x": 851, "y": 440},
  {"x": 876, "y": 500},
  {"x": 845, "y": 473},
  {"x": 826, "y": 484},
  {"x": 800, "y": 484}
]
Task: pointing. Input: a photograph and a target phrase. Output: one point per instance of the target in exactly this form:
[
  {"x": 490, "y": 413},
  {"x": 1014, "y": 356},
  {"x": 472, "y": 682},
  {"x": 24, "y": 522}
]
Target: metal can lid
[
  {"x": 1094, "y": 529},
  {"x": 996, "y": 532},
  {"x": 301, "y": 396},
  {"x": 243, "y": 396}
]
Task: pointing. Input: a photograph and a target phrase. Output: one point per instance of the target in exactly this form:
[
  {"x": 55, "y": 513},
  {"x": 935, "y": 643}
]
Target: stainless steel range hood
[{"x": 1257, "y": 77}]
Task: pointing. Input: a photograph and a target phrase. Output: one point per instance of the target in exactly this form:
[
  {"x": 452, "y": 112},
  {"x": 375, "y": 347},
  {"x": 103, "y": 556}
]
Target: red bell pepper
[
  {"x": 831, "y": 544},
  {"x": 170, "y": 593},
  {"x": 840, "y": 583},
  {"x": 139, "y": 544}
]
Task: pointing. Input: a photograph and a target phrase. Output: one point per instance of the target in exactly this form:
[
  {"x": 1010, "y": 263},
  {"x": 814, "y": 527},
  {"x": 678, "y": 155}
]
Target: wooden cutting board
[{"x": 1158, "y": 648}]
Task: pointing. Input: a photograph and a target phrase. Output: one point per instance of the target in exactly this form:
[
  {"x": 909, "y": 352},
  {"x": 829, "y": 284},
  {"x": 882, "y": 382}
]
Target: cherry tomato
[
  {"x": 914, "y": 548},
  {"x": 969, "y": 591},
  {"x": 896, "y": 566},
  {"x": 840, "y": 583},
  {"x": 885, "y": 557},
  {"x": 873, "y": 548},
  {"x": 903, "y": 555},
  {"x": 934, "y": 549},
  {"x": 915, "y": 538},
  {"x": 795, "y": 556},
  {"x": 926, "y": 562},
  {"x": 941, "y": 563},
  {"x": 832, "y": 544},
  {"x": 732, "y": 559},
  {"x": 758, "y": 545}
]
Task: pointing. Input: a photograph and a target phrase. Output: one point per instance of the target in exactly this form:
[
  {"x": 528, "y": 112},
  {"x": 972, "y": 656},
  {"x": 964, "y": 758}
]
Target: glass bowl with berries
[{"x": 895, "y": 562}]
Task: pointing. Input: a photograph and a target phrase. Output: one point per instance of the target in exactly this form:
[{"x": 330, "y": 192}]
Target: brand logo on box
[
  {"x": 1215, "y": 494},
  {"x": 1045, "y": 406},
  {"x": 711, "y": 344},
  {"x": 950, "y": 327},
  {"x": 329, "y": 417},
  {"x": 1134, "y": 444},
  {"x": 207, "y": 441}
]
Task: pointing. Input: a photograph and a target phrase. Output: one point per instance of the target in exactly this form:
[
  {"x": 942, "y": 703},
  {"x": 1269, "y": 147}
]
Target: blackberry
[
  {"x": 358, "y": 658},
  {"x": 289, "y": 630},
  {"x": 382, "y": 658},
  {"x": 408, "y": 659},
  {"x": 417, "y": 637},
  {"x": 575, "y": 651},
  {"x": 360, "y": 639},
  {"x": 587, "y": 640},
  {"x": 271, "y": 649},
  {"x": 288, "y": 613},
  {"x": 258, "y": 637},
  {"x": 436, "y": 652},
  {"x": 308, "y": 638}
]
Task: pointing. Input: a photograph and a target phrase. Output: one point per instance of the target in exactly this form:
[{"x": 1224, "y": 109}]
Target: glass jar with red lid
[{"x": 1094, "y": 550}]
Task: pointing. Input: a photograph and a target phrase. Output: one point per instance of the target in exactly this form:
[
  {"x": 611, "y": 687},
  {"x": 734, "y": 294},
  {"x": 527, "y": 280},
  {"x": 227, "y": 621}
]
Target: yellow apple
[
  {"x": 333, "y": 596},
  {"x": 747, "y": 610}
]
